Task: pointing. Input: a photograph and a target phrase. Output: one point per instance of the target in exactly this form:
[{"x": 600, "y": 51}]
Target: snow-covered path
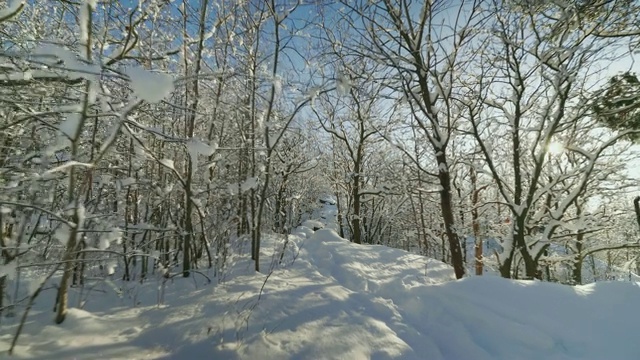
[
  {"x": 339, "y": 300},
  {"x": 429, "y": 316}
]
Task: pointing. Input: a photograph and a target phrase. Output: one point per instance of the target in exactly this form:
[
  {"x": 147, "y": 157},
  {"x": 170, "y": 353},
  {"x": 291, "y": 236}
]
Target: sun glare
[{"x": 556, "y": 148}]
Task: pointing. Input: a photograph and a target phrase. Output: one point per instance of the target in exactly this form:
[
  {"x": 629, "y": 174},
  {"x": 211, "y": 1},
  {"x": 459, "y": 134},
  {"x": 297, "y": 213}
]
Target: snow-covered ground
[{"x": 330, "y": 299}]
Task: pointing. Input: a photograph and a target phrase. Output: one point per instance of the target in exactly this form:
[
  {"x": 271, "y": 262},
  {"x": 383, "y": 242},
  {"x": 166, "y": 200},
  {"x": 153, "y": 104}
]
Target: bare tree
[
  {"x": 422, "y": 47},
  {"x": 533, "y": 88},
  {"x": 350, "y": 119}
]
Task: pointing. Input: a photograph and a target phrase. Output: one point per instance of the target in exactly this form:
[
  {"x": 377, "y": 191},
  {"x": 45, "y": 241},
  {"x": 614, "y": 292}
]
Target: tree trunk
[
  {"x": 188, "y": 223},
  {"x": 475, "y": 199},
  {"x": 576, "y": 275},
  {"x": 505, "y": 266},
  {"x": 530, "y": 264},
  {"x": 636, "y": 205},
  {"x": 190, "y": 120},
  {"x": 63, "y": 291},
  {"x": 447, "y": 215},
  {"x": 355, "y": 220},
  {"x": 577, "y": 266},
  {"x": 3, "y": 284}
]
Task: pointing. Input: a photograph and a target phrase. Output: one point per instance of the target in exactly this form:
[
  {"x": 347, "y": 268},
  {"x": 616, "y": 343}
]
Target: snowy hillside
[{"x": 330, "y": 299}]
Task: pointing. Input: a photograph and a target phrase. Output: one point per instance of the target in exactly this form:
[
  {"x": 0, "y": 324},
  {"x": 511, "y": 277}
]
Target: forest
[{"x": 146, "y": 138}]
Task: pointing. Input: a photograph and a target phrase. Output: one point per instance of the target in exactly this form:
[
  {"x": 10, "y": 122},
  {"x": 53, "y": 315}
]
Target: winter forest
[{"x": 191, "y": 179}]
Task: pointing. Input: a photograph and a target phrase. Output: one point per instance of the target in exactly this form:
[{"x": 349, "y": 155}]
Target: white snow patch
[
  {"x": 313, "y": 224},
  {"x": 107, "y": 238},
  {"x": 151, "y": 87},
  {"x": 62, "y": 234},
  {"x": 343, "y": 84},
  {"x": 167, "y": 163},
  {"x": 84, "y": 22},
  {"x": 250, "y": 183},
  {"x": 71, "y": 126},
  {"x": 9, "y": 270},
  {"x": 337, "y": 300},
  {"x": 12, "y": 8},
  {"x": 196, "y": 147}
]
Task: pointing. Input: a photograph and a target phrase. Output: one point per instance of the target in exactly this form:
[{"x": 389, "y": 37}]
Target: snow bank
[
  {"x": 313, "y": 224},
  {"x": 344, "y": 301}
]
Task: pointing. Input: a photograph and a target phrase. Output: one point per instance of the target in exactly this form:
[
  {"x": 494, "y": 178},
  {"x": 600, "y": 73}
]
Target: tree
[
  {"x": 617, "y": 105},
  {"x": 69, "y": 143},
  {"x": 536, "y": 95},
  {"x": 120, "y": 142},
  {"x": 421, "y": 47},
  {"x": 349, "y": 119},
  {"x": 295, "y": 161},
  {"x": 636, "y": 206},
  {"x": 282, "y": 40}
]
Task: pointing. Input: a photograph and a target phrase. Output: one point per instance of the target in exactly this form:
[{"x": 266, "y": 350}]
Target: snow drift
[{"x": 330, "y": 299}]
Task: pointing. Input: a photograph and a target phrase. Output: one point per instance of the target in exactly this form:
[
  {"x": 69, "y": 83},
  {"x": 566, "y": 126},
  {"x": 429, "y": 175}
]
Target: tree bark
[
  {"x": 577, "y": 266},
  {"x": 636, "y": 205},
  {"x": 447, "y": 215},
  {"x": 355, "y": 220},
  {"x": 475, "y": 199}
]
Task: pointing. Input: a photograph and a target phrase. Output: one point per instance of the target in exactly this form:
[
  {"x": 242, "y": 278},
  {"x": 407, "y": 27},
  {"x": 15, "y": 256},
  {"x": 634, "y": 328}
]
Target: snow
[
  {"x": 168, "y": 163},
  {"x": 50, "y": 54},
  {"x": 62, "y": 234},
  {"x": 332, "y": 299},
  {"x": 277, "y": 86},
  {"x": 67, "y": 165},
  {"x": 107, "y": 238},
  {"x": 248, "y": 184},
  {"x": 151, "y": 87},
  {"x": 303, "y": 231},
  {"x": 12, "y": 9},
  {"x": 343, "y": 84},
  {"x": 196, "y": 147},
  {"x": 71, "y": 126},
  {"x": 313, "y": 224},
  {"x": 9, "y": 270},
  {"x": 84, "y": 21}
]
